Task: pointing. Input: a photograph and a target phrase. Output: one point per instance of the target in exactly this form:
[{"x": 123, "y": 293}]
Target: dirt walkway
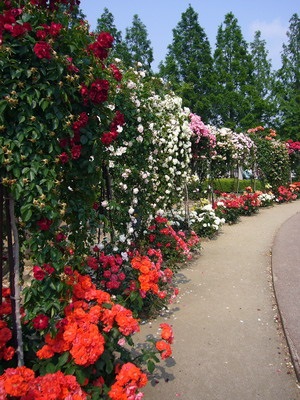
[{"x": 229, "y": 343}]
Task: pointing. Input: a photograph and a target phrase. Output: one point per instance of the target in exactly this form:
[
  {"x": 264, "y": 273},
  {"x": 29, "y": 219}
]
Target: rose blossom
[
  {"x": 42, "y": 50},
  {"x": 40, "y": 322}
]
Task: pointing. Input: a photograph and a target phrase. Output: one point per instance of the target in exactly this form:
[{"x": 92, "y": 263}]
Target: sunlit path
[{"x": 228, "y": 343}]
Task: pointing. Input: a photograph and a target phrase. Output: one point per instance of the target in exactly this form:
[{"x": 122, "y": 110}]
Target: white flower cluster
[
  {"x": 266, "y": 199},
  {"x": 150, "y": 166},
  {"x": 233, "y": 146}
]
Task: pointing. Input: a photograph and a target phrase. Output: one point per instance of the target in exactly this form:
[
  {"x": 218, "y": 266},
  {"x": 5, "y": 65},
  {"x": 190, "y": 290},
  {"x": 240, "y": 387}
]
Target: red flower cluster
[
  {"x": 108, "y": 137},
  {"x": 116, "y": 72},
  {"x": 97, "y": 93},
  {"x": 128, "y": 381},
  {"x": 112, "y": 273},
  {"x": 52, "y": 30},
  {"x": 250, "y": 202},
  {"x": 79, "y": 124},
  {"x": 163, "y": 236},
  {"x": 9, "y": 23},
  {"x": 16, "y": 382},
  {"x": 20, "y": 382},
  {"x": 6, "y": 352},
  {"x": 101, "y": 47},
  {"x": 5, "y": 307},
  {"x": 285, "y": 194},
  {"x": 40, "y": 273}
]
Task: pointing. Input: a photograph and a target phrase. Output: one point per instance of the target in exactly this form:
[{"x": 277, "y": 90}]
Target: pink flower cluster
[
  {"x": 293, "y": 146},
  {"x": 111, "y": 269},
  {"x": 200, "y": 130}
]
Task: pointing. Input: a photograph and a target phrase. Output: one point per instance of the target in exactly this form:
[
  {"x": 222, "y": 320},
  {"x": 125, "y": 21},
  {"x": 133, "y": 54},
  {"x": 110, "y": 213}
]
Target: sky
[{"x": 160, "y": 17}]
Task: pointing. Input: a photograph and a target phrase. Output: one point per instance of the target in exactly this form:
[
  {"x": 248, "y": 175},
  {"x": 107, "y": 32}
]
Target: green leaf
[
  {"x": 62, "y": 360},
  {"x": 51, "y": 368},
  {"x": 27, "y": 215},
  {"x": 150, "y": 366},
  {"x": 80, "y": 376}
]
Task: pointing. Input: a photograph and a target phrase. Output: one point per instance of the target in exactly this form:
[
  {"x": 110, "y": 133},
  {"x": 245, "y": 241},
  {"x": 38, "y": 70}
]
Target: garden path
[{"x": 229, "y": 342}]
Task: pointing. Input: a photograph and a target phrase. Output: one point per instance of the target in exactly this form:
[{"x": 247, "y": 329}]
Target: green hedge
[{"x": 229, "y": 185}]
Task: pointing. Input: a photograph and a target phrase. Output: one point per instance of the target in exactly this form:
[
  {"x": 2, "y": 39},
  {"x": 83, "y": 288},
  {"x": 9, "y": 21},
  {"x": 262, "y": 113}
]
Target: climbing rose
[
  {"x": 42, "y": 50},
  {"x": 44, "y": 224},
  {"x": 40, "y": 322}
]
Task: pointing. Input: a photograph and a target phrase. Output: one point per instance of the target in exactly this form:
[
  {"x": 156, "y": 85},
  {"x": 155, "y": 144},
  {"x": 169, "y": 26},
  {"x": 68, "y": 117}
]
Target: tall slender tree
[
  {"x": 138, "y": 44},
  {"x": 288, "y": 84},
  {"x": 234, "y": 71},
  {"x": 263, "y": 106},
  {"x": 188, "y": 65}
]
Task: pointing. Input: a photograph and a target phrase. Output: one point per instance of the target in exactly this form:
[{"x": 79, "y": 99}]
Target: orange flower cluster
[
  {"x": 21, "y": 382},
  {"x": 149, "y": 273},
  {"x": 256, "y": 129},
  {"x": 163, "y": 346},
  {"x": 128, "y": 381},
  {"x": 80, "y": 331},
  {"x": 16, "y": 381}
]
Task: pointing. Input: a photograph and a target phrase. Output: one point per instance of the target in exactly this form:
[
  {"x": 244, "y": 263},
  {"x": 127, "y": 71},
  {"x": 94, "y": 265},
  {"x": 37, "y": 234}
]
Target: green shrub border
[{"x": 199, "y": 190}]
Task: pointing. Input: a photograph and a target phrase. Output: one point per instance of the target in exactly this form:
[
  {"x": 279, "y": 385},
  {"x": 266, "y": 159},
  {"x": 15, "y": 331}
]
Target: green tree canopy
[
  {"x": 188, "y": 65},
  {"x": 288, "y": 84},
  {"x": 234, "y": 72},
  {"x": 138, "y": 45},
  {"x": 263, "y": 79}
]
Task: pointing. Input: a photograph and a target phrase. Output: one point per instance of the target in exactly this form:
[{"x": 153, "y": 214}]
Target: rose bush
[{"x": 59, "y": 118}]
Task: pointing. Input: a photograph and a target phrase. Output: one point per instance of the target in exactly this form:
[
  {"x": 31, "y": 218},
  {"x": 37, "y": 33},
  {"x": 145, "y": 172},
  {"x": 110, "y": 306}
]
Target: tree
[
  {"x": 234, "y": 71},
  {"x": 188, "y": 65},
  {"x": 263, "y": 79},
  {"x": 288, "y": 84},
  {"x": 106, "y": 24},
  {"x": 138, "y": 45}
]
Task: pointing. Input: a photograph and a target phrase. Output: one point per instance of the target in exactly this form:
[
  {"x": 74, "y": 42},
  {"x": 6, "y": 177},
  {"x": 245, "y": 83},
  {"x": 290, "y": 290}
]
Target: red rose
[
  {"x": 55, "y": 29},
  {"x": 42, "y": 50},
  {"x": 108, "y": 137},
  {"x": 60, "y": 237},
  {"x": 41, "y": 34},
  {"x": 99, "y": 91},
  {"x": 105, "y": 40},
  {"x": 68, "y": 270},
  {"x": 64, "y": 158},
  {"x": 48, "y": 268},
  {"x": 44, "y": 224},
  {"x": 119, "y": 120},
  {"x": 40, "y": 322},
  {"x": 98, "y": 51},
  {"x": 116, "y": 72},
  {"x": 152, "y": 238},
  {"x": 76, "y": 151},
  {"x": 38, "y": 273}
]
